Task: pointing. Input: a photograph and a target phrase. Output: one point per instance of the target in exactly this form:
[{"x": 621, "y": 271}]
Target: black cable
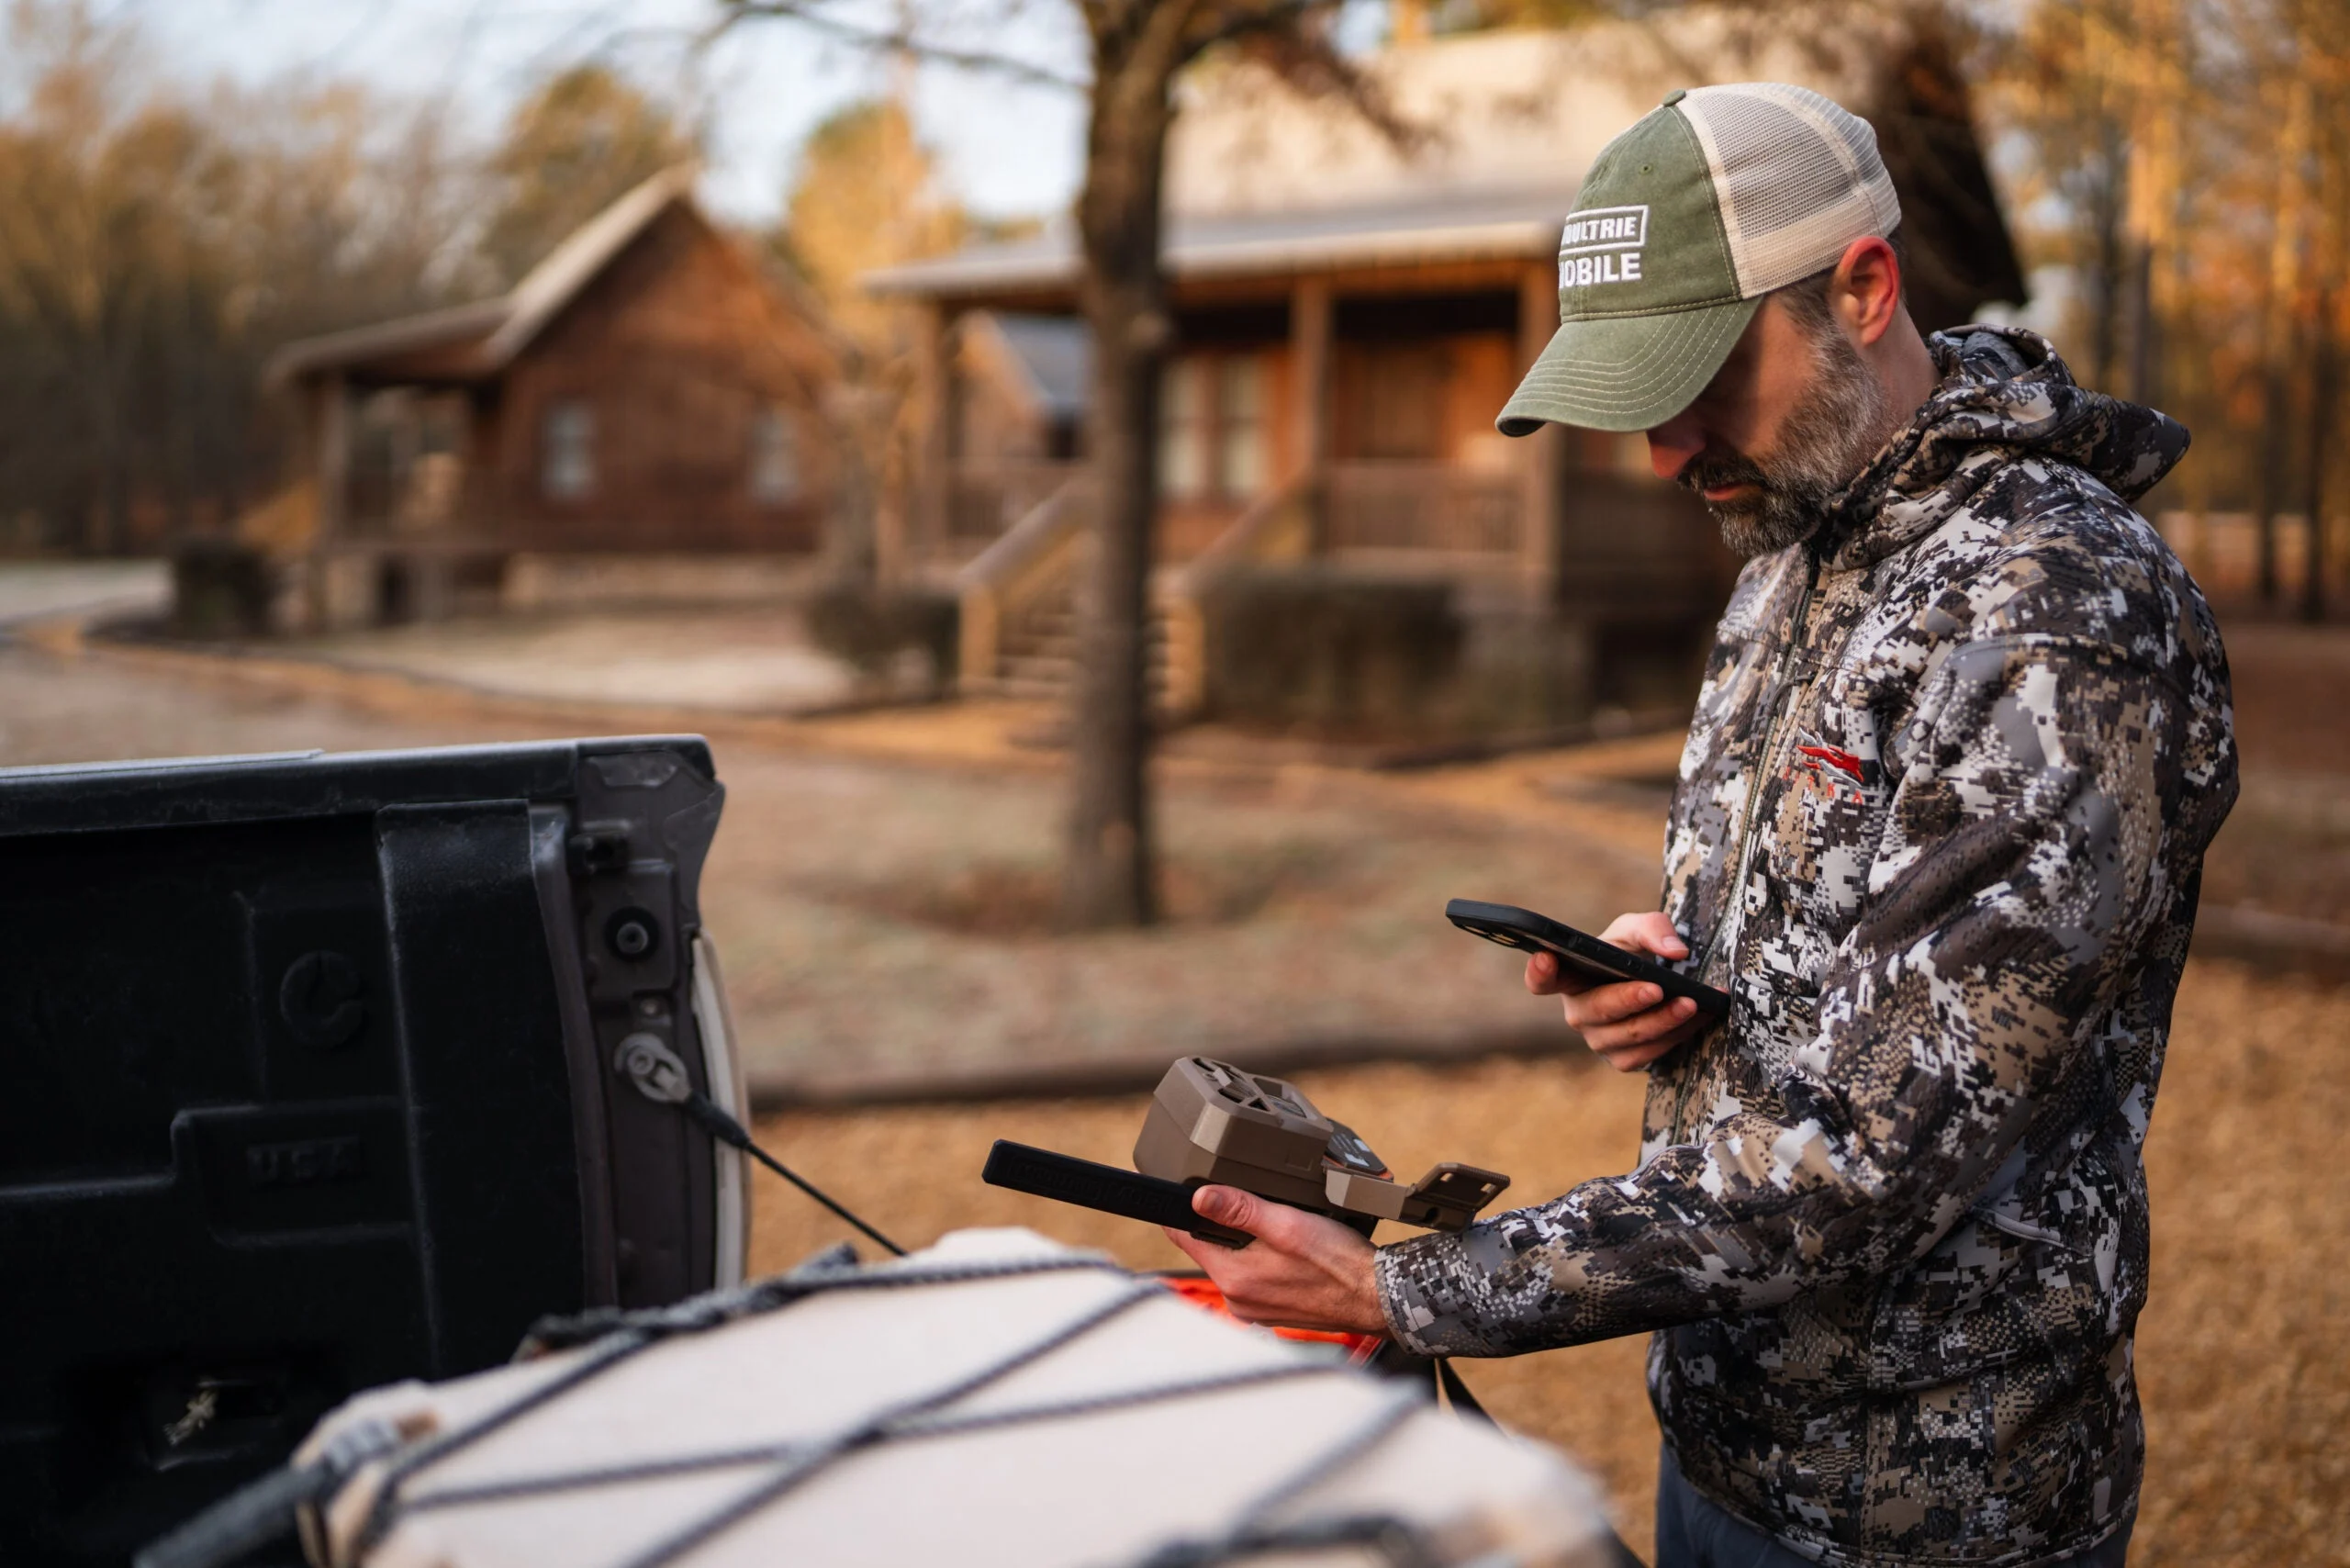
[
  {"x": 727, "y": 1130},
  {"x": 266, "y": 1511},
  {"x": 1457, "y": 1393},
  {"x": 1396, "y": 1539},
  {"x": 913, "y": 1430},
  {"x": 1435, "y": 1373},
  {"x": 600, "y": 1358},
  {"x": 258, "y": 1515},
  {"x": 876, "y": 1429},
  {"x": 621, "y": 1336}
]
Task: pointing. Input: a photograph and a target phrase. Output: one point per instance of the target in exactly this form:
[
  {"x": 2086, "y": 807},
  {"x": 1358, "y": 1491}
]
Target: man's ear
[{"x": 1866, "y": 292}]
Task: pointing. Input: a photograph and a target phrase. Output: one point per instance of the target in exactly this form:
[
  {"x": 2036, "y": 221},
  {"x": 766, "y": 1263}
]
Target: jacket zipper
[{"x": 1766, "y": 764}]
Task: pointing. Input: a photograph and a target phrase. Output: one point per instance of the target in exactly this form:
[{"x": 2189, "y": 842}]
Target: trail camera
[{"x": 1211, "y": 1121}]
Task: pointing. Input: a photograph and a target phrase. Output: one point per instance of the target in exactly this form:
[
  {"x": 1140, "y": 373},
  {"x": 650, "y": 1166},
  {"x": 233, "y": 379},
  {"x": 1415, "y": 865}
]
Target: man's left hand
[{"x": 1302, "y": 1272}]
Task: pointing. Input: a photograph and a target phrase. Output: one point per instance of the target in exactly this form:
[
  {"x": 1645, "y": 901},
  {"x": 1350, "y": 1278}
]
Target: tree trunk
[
  {"x": 2107, "y": 263},
  {"x": 2145, "y": 346},
  {"x": 2324, "y": 367},
  {"x": 109, "y": 529},
  {"x": 2277, "y": 328},
  {"x": 1107, "y": 880},
  {"x": 860, "y": 420},
  {"x": 2275, "y": 451}
]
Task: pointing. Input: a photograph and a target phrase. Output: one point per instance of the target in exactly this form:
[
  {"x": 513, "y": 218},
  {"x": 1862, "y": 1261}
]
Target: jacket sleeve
[{"x": 2019, "y": 867}]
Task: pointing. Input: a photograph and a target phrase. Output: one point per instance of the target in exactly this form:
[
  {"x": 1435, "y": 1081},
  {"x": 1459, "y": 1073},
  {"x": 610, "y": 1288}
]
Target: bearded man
[{"x": 1963, "y": 739}]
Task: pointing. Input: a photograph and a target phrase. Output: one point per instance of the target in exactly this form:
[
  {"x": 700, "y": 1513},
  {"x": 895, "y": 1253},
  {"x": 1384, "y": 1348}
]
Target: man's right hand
[{"x": 1629, "y": 1023}]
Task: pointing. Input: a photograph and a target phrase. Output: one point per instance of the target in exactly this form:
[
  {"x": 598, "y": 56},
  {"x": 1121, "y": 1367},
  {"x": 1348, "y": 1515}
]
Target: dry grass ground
[
  {"x": 2286, "y": 848},
  {"x": 2240, "y": 1355},
  {"x": 2244, "y": 1354}
]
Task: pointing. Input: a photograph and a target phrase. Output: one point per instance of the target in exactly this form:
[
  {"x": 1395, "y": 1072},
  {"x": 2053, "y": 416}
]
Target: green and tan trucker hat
[{"x": 1712, "y": 200}]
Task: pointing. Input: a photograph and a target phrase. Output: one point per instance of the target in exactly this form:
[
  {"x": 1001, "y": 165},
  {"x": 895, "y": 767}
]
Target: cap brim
[{"x": 1626, "y": 373}]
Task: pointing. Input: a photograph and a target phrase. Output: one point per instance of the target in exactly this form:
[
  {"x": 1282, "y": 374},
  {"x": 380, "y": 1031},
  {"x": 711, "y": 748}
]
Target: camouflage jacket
[{"x": 1938, "y": 829}]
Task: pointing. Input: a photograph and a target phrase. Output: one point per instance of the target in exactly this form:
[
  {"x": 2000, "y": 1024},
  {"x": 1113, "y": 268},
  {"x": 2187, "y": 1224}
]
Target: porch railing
[
  {"x": 1279, "y": 526},
  {"x": 1028, "y": 568},
  {"x": 1421, "y": 509},
  {"x": 984, "y": 501}
]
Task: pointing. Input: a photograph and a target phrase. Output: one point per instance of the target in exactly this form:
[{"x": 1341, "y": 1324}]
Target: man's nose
[{"x": 1672, "y": 446}]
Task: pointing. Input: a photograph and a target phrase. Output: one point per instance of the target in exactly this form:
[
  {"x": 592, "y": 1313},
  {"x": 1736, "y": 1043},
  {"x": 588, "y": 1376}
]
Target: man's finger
[
  {"x": 1652, "y": 932},
  {"x": 1624, "y": 1050},
  {"x": 1628, "y": 1057},
  {"x": 1229, "y": 1207},
  {"x": 1639, "y": 1028},
  {"x": 1612, "y": 1003},
  {"x": 1191, "y": 1246},
  {"x": 1542, "y": 975}
]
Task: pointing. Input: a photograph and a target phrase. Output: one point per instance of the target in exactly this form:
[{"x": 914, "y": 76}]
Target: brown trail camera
[{"x": 1211, "y": 1121}]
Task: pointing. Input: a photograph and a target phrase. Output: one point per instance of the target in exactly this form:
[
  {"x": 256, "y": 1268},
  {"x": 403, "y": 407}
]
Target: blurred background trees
[
  {"x": 572, "y": 149},
  {"x": 2179, "y": 172},
  {"x": 156, "y": 242},
  {"x": 158, "y": 239},
  {"x": 2182, "y": 180},
  {"x": 868, "y": 195}
]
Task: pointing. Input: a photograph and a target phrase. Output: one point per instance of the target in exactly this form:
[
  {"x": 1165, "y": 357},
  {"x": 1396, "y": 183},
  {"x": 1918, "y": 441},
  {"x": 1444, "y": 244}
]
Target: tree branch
[
  {"x": 898, "y": 40},
  {"x": 1249, "y": 21},
  {"x": 1281, "y": 37}
]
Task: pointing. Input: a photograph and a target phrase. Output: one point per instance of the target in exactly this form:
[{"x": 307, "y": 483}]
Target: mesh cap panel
[{"x": 1798, "y": 179}]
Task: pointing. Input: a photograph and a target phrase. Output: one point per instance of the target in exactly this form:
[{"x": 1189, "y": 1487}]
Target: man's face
[{"x": 1788, "y": 420}]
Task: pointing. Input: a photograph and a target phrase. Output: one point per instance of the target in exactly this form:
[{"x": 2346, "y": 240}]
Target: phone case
[{"x": 1587, "y": 955}]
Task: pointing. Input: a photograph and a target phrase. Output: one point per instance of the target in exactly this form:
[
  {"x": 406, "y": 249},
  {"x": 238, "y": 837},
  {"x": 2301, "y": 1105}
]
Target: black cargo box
[{"x": 306, "y": 1085}]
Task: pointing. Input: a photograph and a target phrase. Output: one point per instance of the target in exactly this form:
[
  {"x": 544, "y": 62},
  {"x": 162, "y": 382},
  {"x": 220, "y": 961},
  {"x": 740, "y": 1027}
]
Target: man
[{"x": 1963, "y": 739}]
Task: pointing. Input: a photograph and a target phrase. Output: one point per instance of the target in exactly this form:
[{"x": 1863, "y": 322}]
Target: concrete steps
[{"x": 1037, "y": 653}]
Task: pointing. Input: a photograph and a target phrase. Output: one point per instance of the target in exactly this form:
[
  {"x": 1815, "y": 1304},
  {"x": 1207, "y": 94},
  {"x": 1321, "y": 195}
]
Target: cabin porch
[{"x": 1340, "y": 421}]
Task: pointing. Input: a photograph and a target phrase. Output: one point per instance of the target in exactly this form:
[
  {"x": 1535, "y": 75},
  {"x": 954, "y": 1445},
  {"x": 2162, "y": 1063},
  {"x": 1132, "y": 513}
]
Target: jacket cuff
[{"x": 1428, "y": 1290}]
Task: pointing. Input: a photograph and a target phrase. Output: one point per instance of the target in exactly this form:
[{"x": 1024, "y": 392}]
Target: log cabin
[
  {"x": 1350, "y": 314},
  {"x": 647, "y": 389}
]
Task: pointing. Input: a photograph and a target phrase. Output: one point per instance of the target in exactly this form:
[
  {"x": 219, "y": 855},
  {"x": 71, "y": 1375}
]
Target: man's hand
[
  {"x": 1302, "y": 1272},
  {"x": 1629, "y": 1022}
]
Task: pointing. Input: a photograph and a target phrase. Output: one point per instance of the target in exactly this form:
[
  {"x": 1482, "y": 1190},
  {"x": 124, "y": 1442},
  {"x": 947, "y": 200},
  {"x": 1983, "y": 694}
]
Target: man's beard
[{"x": 1838, "y": 425}]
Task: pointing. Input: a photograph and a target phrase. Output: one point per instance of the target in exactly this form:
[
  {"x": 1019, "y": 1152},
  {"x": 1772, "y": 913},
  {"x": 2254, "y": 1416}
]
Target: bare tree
[
  {"x": 866, "y": 196},
  {"x": 156, "y": 244},
  {"x": 582, "y": 140},
  {"x": 1137, "y": 49}
]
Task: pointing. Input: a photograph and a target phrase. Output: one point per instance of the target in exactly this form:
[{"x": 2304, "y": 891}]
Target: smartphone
[{"x": 1602, "y": 963}]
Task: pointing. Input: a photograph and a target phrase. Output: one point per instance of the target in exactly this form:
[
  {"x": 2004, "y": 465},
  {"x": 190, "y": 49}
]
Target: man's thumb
[{"x": 1225, "y": 1205}]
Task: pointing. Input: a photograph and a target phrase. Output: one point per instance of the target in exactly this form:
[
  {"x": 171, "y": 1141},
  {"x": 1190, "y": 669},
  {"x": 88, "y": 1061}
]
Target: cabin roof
[
  {"x": 1521, "y": 223},
  {"x": 483, "y": 338},
  {"x": 1261, "y": 179}
]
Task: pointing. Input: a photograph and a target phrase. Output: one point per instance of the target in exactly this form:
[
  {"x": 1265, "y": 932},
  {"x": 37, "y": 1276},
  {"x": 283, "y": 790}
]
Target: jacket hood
[{"x": 2005, "y": 394}]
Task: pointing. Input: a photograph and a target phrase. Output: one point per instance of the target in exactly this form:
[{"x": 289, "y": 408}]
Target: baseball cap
[{"x": 1709, "y": 202}]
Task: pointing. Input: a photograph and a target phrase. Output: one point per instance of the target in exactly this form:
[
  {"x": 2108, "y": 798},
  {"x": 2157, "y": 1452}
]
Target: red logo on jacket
[{"x": 1833, "y": 757}]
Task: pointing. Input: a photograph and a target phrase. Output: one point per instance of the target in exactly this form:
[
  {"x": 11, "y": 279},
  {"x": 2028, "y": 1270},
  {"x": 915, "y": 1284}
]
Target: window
[
  {"x": 1213, "y": 443},
  {"x": 1241, "y": 463},
  {"x": 775, "y": 457},
  {"x": 1184, "y": 416},
  {"x": 568, "y": 450}
]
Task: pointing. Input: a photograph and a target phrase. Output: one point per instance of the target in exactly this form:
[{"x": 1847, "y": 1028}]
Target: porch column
[
  {"x": 1309, "y": 336},
  {"x": 904, "y": 534},
  {"x": 1545, "y": 449}
]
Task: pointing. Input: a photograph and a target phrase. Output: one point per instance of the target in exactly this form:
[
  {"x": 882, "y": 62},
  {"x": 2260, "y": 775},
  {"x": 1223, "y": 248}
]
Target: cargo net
[{"x": 606, "y": 1339}]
